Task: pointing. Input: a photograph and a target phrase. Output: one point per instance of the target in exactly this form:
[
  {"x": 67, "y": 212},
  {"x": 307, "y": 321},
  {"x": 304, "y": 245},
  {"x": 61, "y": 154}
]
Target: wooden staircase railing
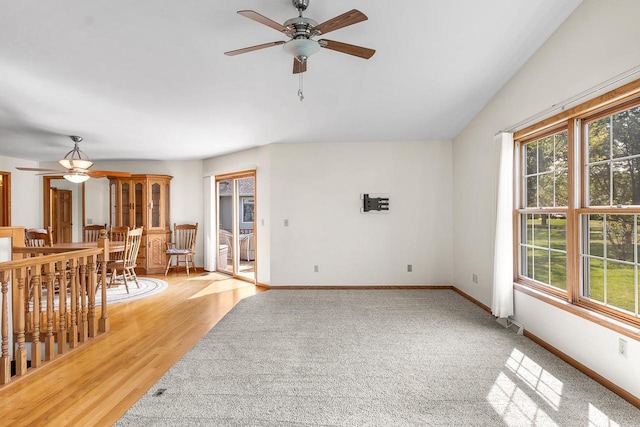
[{"x": 48, "y": 303}]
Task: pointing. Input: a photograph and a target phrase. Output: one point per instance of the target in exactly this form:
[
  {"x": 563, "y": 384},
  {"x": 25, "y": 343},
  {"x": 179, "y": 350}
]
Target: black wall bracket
[{"x": 374, "y": 203}]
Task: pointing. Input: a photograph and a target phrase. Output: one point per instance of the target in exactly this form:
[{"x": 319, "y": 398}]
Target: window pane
[
  {"x": 541, "y": 231},
  {"x": 545, "y": 190},
  {"x": 620, "y": 286},
  {"x": 527, "y": 262},
  {"x": 595, "y": 287},
  {"x": 558, "y": 232},
  {"x": 541, "y": 265},
  {"x": 562, "y": 188},
  {"x": 598, "y": 133},
  {"x": 532, "y": 194},
  {"x": 559, "y": 270},
  {"x": 562, "y": 150},
  {"x": 626, "y": 133},
  {"x": 626, "y": 182},
  {"x": 528, "y": 229},
  {"x": 546, "y": 154},
  {"x": 595, "y": 235},
  {"x": 599, "y": 185},
  {"x": 531, "y": 158},
  {"x": 620, "y": 237}
]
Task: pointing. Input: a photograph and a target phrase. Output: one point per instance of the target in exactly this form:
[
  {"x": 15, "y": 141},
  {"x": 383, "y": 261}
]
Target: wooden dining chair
[
  {"x": 91, "y": 233},
  {"x": 183, "y": 245},
  {"x": 118, "y": 234},
  {"x": 116, "y": 259},
  {"x": 131, "y": 249},
  {"x": 127, "y": 263},
  {"x": 38, "y": 238},
  {"x": 42, "y": 238}
]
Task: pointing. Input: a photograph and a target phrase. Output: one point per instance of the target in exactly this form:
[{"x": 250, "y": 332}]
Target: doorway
[{"x": 236, "y": 213}]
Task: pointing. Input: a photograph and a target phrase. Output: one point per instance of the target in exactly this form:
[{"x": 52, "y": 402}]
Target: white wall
[
  {"x": 96, "y": 211},
  {"x": 317, "y": 188},
  {"x": 597, "y": 42},
  {"x": 26, "y": 192}
]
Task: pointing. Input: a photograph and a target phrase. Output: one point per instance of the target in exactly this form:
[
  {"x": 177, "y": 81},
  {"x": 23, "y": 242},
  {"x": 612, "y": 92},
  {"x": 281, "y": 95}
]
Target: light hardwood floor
[{"x": 95, "y": 384}]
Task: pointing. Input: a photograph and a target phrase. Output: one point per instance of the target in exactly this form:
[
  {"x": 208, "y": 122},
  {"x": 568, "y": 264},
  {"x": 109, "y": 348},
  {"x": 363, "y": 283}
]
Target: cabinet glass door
[
  {"x": 126, "y": 204},
  {"x": 113, "y": 208},
  {"x": 139, "y": 205},
  {"x": 155, "y": 205}
]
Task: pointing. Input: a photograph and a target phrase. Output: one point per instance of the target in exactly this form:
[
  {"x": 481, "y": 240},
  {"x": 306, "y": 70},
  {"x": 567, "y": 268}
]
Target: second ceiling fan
[
  {"x": 76, "y": 166},
  {"x": 301, "y": 31}
]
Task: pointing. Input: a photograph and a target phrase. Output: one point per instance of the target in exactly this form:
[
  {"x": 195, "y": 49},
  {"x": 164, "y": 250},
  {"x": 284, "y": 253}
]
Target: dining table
[{"x": 114, "y": 246}]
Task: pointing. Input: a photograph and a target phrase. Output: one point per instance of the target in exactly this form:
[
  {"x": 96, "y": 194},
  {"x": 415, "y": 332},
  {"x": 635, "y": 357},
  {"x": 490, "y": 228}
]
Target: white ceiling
[{"x": 148, "y": 79}]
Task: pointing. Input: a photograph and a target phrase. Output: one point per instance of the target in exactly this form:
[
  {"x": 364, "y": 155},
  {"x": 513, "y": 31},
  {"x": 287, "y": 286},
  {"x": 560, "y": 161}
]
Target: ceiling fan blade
[
  {"x": 349, "y": 49},
  {"x": 40, "y": 170},
  {"x": 102, "y": 174},
  {"x": 265, "y": 21},
  {"x": 299, "y": 67},
  {"x": 348, "y": 18},
  {"x": 252, "y": 48}
]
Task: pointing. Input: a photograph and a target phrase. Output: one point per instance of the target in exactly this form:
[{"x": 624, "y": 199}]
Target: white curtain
[{"x": 503, "y": 249}]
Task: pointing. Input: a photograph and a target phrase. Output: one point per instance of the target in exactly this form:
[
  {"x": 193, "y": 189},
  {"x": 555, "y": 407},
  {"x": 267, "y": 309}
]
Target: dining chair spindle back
[{"x": 183, "y": 246}]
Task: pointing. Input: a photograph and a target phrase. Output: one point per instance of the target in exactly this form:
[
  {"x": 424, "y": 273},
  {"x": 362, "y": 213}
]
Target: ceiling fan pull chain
[{"x": 300, "y": 94}]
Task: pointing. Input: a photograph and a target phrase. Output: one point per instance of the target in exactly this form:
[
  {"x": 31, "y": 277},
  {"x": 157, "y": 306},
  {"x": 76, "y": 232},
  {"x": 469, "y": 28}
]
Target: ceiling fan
[
  {"x": 76, "y": 165},
  {"x": 301, "y": 31}
]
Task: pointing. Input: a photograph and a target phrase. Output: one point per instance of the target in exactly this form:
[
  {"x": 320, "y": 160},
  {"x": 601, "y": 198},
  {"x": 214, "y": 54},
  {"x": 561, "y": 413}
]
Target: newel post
[
  {"x": 5, "y": 360},
  {"x": 103, "y": 258}
]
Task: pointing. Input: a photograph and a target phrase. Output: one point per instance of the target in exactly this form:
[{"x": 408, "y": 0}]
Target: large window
[
  {"x": 543, "y": 217},
  {"x": 578, "y": 228}
]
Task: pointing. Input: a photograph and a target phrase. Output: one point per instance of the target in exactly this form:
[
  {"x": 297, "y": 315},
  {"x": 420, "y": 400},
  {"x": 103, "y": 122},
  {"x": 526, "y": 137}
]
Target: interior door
[{"x": 63, "y": 216}]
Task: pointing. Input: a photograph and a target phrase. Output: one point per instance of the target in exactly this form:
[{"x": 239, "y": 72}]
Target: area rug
[
  {"x": 371, "y": 358},
  {"x": 148, "y": 286},
  {"x": 117, "y": 294}
]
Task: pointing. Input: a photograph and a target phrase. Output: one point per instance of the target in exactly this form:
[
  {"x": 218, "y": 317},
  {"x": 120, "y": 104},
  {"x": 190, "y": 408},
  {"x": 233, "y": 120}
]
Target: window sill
[{"x": 623, "y": 328}]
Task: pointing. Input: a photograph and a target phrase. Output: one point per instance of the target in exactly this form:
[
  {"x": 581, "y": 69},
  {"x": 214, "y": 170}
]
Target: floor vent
[{"x": 511, "y": 324}]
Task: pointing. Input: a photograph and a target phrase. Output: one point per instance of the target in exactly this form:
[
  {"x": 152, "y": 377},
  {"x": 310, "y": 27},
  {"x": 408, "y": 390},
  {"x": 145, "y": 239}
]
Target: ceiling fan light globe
[
  {"x": 76, "y": 177},
  {"x": 75, "y": 163},
  {"x": 301, "y": 47}
]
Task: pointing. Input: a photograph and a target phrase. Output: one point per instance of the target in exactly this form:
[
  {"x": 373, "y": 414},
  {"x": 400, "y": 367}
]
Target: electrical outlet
[
  {"x": 475, "y": 278},
  {"x": 316, "y": 269},
  {"x": 409, "y": 268},
  {"x": 622, "y": 347}
]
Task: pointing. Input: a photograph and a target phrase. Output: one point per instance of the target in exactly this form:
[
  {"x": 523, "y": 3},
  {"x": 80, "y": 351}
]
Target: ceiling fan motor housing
[
  {"x": 301, "y": 5},
  {"x": 303, "y": 26}
]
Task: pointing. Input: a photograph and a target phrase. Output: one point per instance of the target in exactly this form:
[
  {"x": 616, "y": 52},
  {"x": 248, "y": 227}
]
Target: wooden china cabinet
[{"x": 143, "y": 201}]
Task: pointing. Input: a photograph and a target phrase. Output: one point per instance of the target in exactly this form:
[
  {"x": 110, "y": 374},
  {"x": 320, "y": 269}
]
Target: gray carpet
[{"x": 372, "y": 357}]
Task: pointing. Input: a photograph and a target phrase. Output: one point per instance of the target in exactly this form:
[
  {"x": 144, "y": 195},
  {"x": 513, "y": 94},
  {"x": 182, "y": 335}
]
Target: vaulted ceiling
[{"x": 148, "y": 78}]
